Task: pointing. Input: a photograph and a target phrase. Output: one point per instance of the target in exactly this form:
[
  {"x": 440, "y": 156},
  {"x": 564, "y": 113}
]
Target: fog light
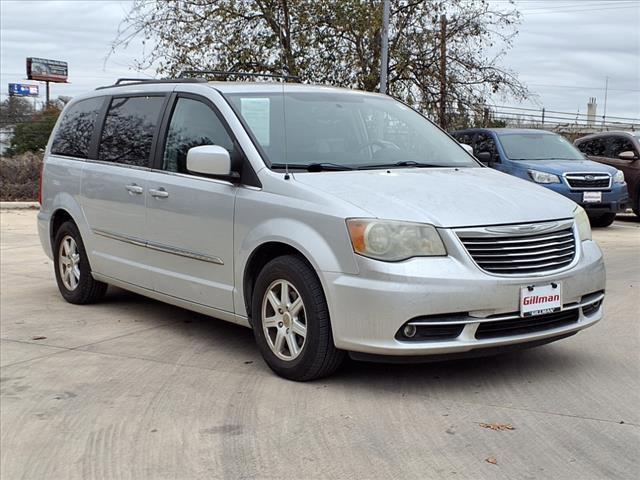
[{"x": 409, "y": 331}]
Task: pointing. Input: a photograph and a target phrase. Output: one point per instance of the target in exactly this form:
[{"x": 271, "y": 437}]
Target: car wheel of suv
[
  {"x": 71, "y": 265},
  {"x": 603, "y": 220},
  {"x": 291, "y": 321},
  {"x": 636, "y": 209}
]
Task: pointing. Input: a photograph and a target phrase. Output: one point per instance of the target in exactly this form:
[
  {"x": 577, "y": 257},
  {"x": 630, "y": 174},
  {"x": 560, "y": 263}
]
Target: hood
[
  {"x": 445, "y": 197},
  {"x": 559, "y": 167}
]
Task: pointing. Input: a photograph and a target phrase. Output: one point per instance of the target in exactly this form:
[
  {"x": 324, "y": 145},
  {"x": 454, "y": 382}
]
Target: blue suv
[{"x": 550, "y": 160}]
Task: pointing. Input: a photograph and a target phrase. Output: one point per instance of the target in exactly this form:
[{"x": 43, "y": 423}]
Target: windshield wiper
[
  {"x": 404, "y": 163},
  {"x": 312, "y": 167}
]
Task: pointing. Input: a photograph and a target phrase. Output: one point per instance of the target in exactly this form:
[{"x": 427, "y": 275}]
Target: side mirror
[
  {"x": 484, "y": 157},
  {"x": 467, "y": 148},
  {"x": 209, "y": 160},
  {"x": 628, "y": 155}
]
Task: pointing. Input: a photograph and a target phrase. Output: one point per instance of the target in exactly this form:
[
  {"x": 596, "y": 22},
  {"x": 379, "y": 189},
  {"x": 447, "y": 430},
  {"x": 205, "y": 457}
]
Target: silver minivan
[{"x": 329, "y": 221}]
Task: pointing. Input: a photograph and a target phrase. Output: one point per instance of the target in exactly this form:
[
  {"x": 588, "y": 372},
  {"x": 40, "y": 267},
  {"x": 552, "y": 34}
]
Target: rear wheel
[
  {"x": 291, "y": 321},
  {"x": 636, "y": 208},
  {"x": 603, "y": 220},
  {"x": 72, "y": 269}
]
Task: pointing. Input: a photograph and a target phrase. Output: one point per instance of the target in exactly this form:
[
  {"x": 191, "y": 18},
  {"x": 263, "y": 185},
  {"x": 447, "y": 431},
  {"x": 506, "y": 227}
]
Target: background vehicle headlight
[
  {"x": 583, "y": 224},
  {"x": 619, "y": 177},
  {"x": 543, "y": 177},
  {"x": 392, "y": 241}
]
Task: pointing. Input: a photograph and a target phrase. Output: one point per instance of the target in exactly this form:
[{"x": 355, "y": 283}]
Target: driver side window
[{"x": 193, "y": 123}]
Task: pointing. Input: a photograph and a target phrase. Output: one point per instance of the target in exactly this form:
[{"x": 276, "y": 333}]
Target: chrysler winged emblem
[{"x": 528, "y": 228}]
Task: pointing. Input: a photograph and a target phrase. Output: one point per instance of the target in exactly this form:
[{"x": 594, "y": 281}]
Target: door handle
[
  {"x": 134, "y": 189},
  {"x": 159, "y": 193}
]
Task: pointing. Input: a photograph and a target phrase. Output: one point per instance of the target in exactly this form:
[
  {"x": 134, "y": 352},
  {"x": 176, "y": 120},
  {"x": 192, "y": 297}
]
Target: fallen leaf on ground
[
  {"x": 498, "y": 426},
  {"x": 38, "y": 337},
  {"x": 491, "y": 460}
]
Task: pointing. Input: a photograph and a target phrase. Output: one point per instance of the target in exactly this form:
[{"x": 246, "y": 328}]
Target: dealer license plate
[
  {"x": 592, "y": 197},
  {"x": 540, "y": 299}
]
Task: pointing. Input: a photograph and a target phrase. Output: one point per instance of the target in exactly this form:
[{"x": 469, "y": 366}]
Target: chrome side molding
[{"x": 159, "y": 247}]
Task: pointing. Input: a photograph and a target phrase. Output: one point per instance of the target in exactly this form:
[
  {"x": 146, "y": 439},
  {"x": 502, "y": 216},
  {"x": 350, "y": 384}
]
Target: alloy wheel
[
  {"x": 69, "y": 263},
  {"x": 284, "y": 320}
]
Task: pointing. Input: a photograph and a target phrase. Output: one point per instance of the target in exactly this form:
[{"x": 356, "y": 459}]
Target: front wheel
[
  {"x": 603, "y": 220},
  {"x": 291, "y": 321}
]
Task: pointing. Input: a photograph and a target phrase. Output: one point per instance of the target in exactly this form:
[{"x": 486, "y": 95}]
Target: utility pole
[
  {"x": 443, "y": 72},
  {"x": 384, "y": 54},
  {"x": 606, "y": 90}
]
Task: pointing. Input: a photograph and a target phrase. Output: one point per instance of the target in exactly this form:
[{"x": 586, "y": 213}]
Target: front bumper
[
  {"x": 369, "y": 309},
  {"x": 615, "y": 199}
]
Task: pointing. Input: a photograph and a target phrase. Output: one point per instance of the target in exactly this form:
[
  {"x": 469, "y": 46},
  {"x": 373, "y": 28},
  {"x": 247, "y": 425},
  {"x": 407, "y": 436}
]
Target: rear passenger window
[
  {"x": 193, "y": 123},
  {"x": 73, "y": 136},
  {"x": 593, "y": 148},
  {"x": 129, "y": 129}
]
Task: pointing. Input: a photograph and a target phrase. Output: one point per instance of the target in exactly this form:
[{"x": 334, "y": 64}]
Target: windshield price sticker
[
  {"x": 256, "y": 112},
  {"x": 592, "y": 197},
  {"x": 540, "y": 300}
]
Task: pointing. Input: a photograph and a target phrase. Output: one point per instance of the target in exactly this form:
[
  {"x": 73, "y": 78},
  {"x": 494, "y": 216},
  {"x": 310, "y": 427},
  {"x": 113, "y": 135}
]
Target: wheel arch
[
  {"x": 58, "y": 217},
  {"x": 259, "y": 257}
]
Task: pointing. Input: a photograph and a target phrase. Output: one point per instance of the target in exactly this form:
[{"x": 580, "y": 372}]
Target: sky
[{"x": 564, "y": 52}]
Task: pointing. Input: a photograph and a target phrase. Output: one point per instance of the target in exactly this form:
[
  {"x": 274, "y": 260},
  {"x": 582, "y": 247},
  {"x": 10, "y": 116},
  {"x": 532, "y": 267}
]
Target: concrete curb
[{"x": 19, "y": 205}]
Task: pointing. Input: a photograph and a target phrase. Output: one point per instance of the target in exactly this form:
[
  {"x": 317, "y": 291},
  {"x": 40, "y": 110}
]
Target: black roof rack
[
  {"x": 121, "y": 82},
  {"x": 221, "y": 73}
]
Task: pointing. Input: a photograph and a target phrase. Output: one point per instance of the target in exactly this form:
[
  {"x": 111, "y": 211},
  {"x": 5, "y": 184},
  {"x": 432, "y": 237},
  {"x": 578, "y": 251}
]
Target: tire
[
  {"x": 636, "y": 209},
  {"x": 295, "y": 356},
  {"x": 72, "y": 269},
  {"x": 603, "y": 220}
]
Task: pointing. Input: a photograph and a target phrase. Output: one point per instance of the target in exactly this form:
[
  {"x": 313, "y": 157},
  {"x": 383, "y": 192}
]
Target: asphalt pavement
[{"x": 135, "y": 389}]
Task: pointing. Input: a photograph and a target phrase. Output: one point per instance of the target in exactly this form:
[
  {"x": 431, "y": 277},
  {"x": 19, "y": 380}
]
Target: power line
[{"x": 583, "y": 10}]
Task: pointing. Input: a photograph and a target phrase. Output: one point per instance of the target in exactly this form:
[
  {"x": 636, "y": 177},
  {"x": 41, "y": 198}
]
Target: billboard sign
[
  {"x": 23, "y": 90},
  {"x": 47, "y": 70}
]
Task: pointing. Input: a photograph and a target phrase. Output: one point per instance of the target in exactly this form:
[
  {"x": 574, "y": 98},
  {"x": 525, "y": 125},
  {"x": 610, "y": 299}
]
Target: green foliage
[
  {"x": 32, "y": 136},
  {"x": 15, "y": 110}
]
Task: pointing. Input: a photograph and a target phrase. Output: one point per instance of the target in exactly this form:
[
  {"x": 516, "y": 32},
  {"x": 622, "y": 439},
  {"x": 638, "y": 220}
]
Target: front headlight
[
  {"x": 543, "y": 177},
  {"x": 583, "y": 224},
  {"x": 392, "y": 241},
  {"x": 619, "y": 177}
]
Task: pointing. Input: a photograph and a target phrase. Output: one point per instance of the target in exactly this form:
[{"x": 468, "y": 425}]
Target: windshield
[
  {"x": 337, "y": 131},
  {"x": 542, "y": 146}
]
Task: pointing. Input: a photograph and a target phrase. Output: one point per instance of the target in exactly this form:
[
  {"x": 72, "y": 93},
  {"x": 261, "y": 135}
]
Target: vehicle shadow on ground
[
  {"x": 233, "y": 346},
  {"x": 628, "y": 218}
]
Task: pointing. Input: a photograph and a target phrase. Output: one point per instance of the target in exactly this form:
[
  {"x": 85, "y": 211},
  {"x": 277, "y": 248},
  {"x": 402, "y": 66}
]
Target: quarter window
[
  {"x": 73, "y": 136},
  {"x": 464, "y": 137},
  {"x": 129, "y": 129},
  {"x": 193, "y": 123}
]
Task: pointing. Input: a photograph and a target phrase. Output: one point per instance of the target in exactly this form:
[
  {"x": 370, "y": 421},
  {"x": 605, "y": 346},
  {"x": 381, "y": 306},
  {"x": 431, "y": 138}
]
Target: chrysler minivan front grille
[
  {"x": 521, "y": 254},
  {"x": 589, "y": 181}
]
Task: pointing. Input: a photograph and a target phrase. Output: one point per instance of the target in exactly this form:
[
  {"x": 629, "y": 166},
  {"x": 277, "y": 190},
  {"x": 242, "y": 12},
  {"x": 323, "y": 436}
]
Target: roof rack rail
[
  {"x": 222, "y": 73},
  {"x": 122, "y": 82}
]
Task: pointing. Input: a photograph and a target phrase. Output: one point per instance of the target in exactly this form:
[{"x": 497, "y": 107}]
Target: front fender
[{"x": 322, "y": 239}]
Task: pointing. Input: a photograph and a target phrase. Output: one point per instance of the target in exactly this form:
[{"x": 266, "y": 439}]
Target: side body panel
[
  {"x": 113, "y": 202},
  {"x": 190, "y": 238}
]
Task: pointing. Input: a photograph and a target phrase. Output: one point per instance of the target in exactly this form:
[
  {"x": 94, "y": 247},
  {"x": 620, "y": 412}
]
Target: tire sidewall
[
  {"x": 316, "y": 311},
  {"x": 72, "y": 296}
]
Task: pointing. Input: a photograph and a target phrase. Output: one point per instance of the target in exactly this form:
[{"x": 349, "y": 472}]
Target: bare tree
[{"x": 337, "y": 43}]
